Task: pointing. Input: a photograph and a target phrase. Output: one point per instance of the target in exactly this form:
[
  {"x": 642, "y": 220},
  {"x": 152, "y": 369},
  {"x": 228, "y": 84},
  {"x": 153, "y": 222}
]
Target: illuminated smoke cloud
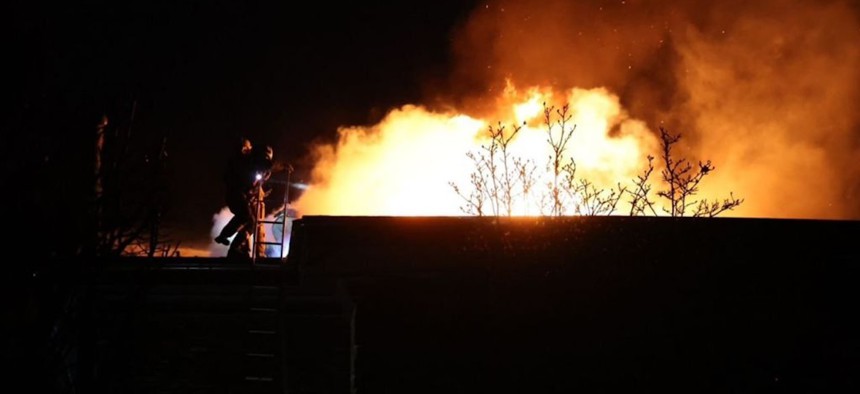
[
  {"x": 273, "y": 234},
  {"x": 767, "y": 89},
  {"x": 218, "y": 221}
]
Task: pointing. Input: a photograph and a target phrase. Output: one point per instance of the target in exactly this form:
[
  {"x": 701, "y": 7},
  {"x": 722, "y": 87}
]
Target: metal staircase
[{"x": 281, "y": 215}]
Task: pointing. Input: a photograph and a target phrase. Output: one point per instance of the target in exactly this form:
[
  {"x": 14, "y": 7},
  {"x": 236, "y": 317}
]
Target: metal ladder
[
  {"x": 264, "y": 364},
  {"x": 260, "y": 217}
]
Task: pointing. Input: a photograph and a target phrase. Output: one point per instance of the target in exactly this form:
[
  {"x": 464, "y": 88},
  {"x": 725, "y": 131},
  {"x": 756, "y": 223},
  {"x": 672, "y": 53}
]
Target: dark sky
[{"x": 203, "y": 73}]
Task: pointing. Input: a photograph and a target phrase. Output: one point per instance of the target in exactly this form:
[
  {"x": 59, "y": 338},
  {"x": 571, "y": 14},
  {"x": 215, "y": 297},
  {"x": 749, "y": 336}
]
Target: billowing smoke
[
  {"x": 768, "y": 90},
  {"x": 273, "y": 233},
  {"x": 219, "y": 220}
]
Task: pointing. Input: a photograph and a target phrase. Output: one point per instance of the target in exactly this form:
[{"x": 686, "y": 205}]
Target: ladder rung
[
  {"x": 271, "y": 221},
  {"x": 268, "y": 243}
]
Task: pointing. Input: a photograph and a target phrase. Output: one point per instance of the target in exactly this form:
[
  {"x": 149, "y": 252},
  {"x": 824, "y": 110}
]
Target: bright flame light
[
  {"x": 404, "y": 165},
  {"x": 398, "y": 167}
]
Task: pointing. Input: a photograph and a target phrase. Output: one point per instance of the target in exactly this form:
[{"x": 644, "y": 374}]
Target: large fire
[
  {"x": 404, "y": 165},
  {"x": 767, "y": 90}
]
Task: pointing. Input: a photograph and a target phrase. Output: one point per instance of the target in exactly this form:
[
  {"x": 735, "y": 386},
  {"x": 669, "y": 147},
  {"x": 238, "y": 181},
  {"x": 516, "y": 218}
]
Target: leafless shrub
[
  {"x": 499, "y": 179},
  {"x": 682, "y": 180}
]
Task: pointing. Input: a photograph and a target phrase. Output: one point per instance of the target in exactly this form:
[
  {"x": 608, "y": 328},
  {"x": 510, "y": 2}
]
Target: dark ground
[{"x": 415, "y": 305}]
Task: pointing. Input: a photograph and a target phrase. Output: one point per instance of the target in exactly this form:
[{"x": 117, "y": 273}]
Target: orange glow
[
  {"x": 399, "y": 167},
  {"x": 767, "y": 90},
  {"x": 403, "y": 165}
]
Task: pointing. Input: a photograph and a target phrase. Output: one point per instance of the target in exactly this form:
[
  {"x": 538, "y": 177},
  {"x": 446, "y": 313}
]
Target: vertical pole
[
  {"x": 256, "y": 221},
  {"x": 286, "y": 212},
  {"x": 260, "y": 239}
]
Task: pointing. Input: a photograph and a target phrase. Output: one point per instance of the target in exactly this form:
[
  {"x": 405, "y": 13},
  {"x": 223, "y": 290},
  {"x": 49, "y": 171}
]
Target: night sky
[{"x": 201, "y": 74}]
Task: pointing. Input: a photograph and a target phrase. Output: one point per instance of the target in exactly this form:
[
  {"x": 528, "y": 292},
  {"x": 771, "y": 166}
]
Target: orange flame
[
  {"x": 403, "y": 165},
  {"x": 766, "y": 89}
]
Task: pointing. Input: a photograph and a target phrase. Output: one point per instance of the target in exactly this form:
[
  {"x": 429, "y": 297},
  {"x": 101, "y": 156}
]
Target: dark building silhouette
[{"x": 429, "y": 305}]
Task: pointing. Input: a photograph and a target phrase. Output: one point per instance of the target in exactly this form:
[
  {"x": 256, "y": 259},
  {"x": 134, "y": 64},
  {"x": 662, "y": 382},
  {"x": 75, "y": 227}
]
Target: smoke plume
[{"x": 768, "y": 90}]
